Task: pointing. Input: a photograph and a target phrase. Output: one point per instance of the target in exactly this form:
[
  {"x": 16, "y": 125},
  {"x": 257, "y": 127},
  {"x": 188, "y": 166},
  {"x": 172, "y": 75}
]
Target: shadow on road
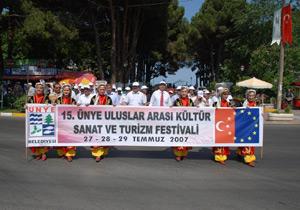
[{"x": 196, "y": 153}]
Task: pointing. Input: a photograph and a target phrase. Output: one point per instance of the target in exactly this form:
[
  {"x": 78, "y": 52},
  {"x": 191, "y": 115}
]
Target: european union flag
[{"x": 247, "y": 125}]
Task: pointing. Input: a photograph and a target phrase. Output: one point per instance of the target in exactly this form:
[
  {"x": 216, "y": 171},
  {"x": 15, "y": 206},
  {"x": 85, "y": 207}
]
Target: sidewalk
[
  {"x": 11, "y": 114},
  {"x": 296, "y": 120},
  {"x": 297, "y": 113}
]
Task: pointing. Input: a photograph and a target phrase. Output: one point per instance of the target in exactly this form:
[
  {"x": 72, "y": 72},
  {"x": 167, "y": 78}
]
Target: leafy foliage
[
  {"x": 19, "y": 103},
  {"x": 226, "y": 35}
]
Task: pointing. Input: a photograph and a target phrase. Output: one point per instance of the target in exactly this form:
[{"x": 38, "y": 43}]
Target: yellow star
[
  {"x": 242, "y": 111},
  {"x": 249, "y": 138},
  {"x": 249, "y": 113},
  {"x": 254, "y": 132},
  {"x": 256, "y": 125},
  {"x": 242, "y": 140},
  {"x": 254, "y": 118}
]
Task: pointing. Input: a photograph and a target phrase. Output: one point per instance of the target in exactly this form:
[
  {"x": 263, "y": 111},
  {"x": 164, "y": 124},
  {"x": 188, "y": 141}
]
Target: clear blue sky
[{"x": 191, "y": 7}]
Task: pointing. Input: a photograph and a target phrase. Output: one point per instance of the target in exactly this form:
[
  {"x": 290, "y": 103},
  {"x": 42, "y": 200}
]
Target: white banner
[
  {"x": 68, "y": 125},
  {"x": 276, "y": 35}
]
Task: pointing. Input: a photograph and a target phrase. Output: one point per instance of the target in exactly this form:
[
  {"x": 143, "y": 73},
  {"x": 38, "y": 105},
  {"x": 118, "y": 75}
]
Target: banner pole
[
  {"x": 26, "y": 153},
  {"x": 261, "y": 152}
]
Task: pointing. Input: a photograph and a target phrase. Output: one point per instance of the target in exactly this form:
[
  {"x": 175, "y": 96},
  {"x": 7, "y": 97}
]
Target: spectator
[
  {"x": 30, "y": 90},
  {"x": 289, "y": 96}
]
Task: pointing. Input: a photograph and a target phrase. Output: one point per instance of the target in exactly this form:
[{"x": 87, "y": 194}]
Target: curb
[
  {"x": 10, "y": 114},
  {"x": 280, "y": 122}
]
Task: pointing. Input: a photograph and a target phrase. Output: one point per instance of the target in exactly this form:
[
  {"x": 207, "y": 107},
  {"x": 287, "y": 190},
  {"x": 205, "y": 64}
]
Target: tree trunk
[
  {"x": 10, "y": 35},
  {"x": 125, "y": 39},
  {"x": 134, "y": 33},
  {"x": 148, "y": 72},
  {"x": 212, "y": 63},
  {"x": 98, "y": 49},
  {"x": 1, "y": 51},
  {"x": 219, "y": 60},
  {"x": 1, "y": 60},
  {"x": 113, "y": 44},
  {"x": 126, "y": 26}
]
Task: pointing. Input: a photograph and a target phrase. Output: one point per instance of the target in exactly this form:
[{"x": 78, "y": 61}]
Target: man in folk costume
[
  {"x": 248, "y": 153},
  {"x": 221, "y": 153},
  {"x": 100, "y": 99},
  {"x": 66, "y": 98},
  {"x": 184, "y": 100},
  {"x": 39, "y": 98}
]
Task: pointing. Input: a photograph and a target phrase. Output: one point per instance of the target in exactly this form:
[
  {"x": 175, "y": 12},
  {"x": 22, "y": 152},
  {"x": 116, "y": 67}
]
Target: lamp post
[{"x": 281, "y": 69}]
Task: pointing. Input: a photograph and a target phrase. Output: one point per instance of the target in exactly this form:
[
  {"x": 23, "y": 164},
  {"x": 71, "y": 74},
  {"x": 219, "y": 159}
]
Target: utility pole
[{"x": 281, "y": 70}]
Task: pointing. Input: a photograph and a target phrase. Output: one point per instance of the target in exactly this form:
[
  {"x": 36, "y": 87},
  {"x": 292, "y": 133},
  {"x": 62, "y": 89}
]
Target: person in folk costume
[
  {"x": 39, "y": 98},
  {"x": 221, "y": 153},
  {"x": 66, "y": 98},
  {"x": 184, "y": 100},
  {"x": 248, "y": 153},
  {"x": 100, "y": 99}
]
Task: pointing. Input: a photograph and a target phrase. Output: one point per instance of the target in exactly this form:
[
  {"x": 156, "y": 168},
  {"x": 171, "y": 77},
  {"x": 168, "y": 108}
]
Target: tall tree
[{"x": 210, "y": 28}]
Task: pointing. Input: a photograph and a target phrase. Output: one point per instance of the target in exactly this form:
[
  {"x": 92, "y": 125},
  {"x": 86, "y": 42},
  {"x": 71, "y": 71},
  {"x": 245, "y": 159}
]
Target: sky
[
  {"x": 184, "y": 76},
  {"x": 191, "y": 7}
]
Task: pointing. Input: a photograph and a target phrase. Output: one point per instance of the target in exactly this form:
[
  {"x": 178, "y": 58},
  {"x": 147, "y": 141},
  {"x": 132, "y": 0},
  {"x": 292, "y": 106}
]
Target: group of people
[{"x": 108, "y": 94}]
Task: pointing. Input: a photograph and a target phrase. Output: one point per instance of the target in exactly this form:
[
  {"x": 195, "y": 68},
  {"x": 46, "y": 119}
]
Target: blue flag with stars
[{"x": 247, "y": 125}]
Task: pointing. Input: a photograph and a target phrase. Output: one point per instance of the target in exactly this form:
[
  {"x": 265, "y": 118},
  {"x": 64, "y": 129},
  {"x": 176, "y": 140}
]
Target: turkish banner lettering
[{"x": 70, "y": 125}]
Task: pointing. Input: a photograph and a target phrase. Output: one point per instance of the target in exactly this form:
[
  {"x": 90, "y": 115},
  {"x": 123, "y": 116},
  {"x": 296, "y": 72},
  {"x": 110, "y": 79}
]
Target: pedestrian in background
[{"x": 161, "y": 97}]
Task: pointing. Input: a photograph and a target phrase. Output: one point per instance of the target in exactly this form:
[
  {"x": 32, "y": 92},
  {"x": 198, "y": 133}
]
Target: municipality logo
[
  {"x": 35, "y": 119},
  {"x": 41, "y": 124},
  {"x": 48, "y": 125}
]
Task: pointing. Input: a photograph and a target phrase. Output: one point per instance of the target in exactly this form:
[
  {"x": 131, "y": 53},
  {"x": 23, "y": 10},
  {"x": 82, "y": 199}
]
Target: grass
[{"x": 9, "y": 110}]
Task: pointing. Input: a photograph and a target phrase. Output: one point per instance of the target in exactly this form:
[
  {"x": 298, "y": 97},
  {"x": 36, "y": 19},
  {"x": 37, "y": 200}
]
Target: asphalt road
[{"x": 149, "y": 178}]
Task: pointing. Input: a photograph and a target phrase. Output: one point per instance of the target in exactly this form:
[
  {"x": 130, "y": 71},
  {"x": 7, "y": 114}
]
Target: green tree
[
  {"x": 210, "y": 28},
  {"x": 178, "y": 27},
  {"x": 253, "y": 28},
  {"x": 48, "y": 119}
]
